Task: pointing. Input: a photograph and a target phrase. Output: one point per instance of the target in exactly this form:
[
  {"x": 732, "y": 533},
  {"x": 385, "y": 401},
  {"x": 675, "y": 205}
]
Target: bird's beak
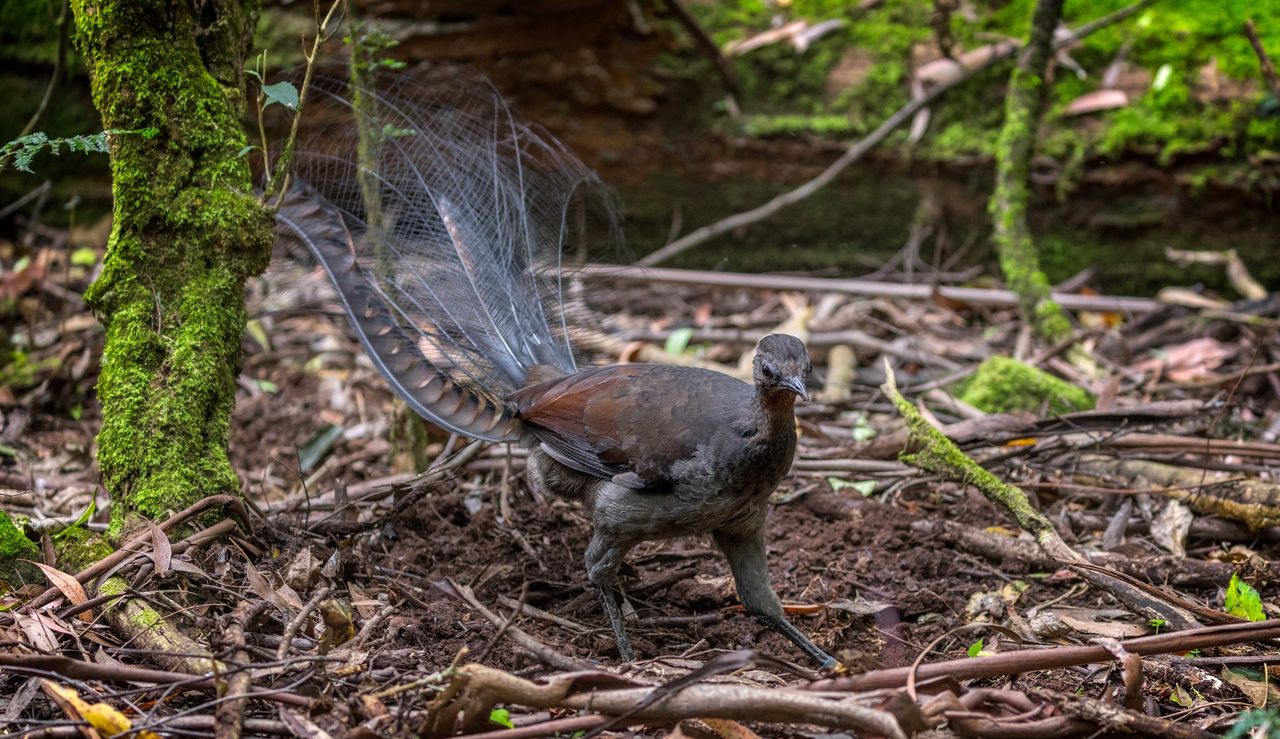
[{"x": 796, "y": 385}]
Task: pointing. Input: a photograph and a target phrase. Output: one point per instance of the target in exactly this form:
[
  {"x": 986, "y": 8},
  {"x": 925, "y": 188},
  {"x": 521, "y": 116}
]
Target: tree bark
[
  {"x": 188, "y": 230},
  {"x": 1008, "y": 205}
]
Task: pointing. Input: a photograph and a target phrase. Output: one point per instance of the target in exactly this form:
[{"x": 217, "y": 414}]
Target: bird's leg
[
  {"x": 609, "y": 597},
  {"x": 603, "y": 558},
  {"x": 746, "y": 555}
]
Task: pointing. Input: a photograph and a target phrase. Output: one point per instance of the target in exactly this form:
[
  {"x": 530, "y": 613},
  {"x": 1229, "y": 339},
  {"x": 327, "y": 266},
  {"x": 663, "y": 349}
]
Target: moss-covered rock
[
  {"x": 15, "y": 547},
  {"x": 1005, "y": 385}
]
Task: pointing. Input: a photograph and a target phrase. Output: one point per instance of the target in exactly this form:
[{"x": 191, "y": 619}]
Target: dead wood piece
[
  {"x": 1175, "y": 571},
  {"x": 1169, "y": 443},
  {"x": 1188, "y": 673},
  {"x": 1254, "y": 502},
  {"x": 1203, "y": 528},
  {"x": 482, "y": 688},
  {"x": 1030, "y": 720},
  {"x": 554, "y": 727},
  {"x": 1112, "y": 718}
]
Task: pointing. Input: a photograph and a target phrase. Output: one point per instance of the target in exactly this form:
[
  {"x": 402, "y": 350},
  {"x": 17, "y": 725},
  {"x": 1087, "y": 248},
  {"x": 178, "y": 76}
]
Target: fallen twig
[
  {"x": 962, "y": 295},
  {"x": 1030, "y": 660},
  {"x": 543, "y": 652},
  {"x": 230, "y": 713},
  {"x": 140, "y": 542}
]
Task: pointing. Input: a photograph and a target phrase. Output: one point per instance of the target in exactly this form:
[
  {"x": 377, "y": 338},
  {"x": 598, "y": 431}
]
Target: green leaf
[
  {"x": 76, "y": 412},
  {"x": 975, "y": 649},
  {"x": 501, "y": 717},
  {"x": 267, "y": 386},
  {"x": 866, "y": 487},
  {"x": 316, "y": 449},
  {"x": 281, "y": 92},
  {"x": 1242, "y": 600},
  {"x": 7, "y": 451},
  {"x": 259, "y": 333},
  {"x": 862, "y": 430},
  {"x": 81, "y": 520},
  {"x": 1182, "y": 697},
  {"x": 678, "y": 341},
  {"x": 245, "y": 150},
  {"x": 21, "y": 264},
  {"x": 1163, "y": 75},
  {"x": 84, "y": 257}
]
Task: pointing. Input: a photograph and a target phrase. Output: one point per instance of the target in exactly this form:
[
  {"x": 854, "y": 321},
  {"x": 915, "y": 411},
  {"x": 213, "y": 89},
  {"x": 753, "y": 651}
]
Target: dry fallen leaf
[
  {"x": 1097, "y": 101},
  {"x": 1170, "y": 528},
  {"x": 105, "y": 719},
  {"x": 1189, "y": 360},
  {"x": 69, "y": 586}
]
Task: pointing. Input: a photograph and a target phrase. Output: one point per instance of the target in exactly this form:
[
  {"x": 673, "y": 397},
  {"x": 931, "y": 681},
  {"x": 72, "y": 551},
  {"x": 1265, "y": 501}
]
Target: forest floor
[{"x": 1170, "y": 480}]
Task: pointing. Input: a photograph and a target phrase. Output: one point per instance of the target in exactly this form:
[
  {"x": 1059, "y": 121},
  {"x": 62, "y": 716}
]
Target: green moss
[
  {"x": 780, "y": 125},
  {"x": 1005, "y": 385},
  {"x": 78, "y": 548},
  {"x": 14, "y": 548}
]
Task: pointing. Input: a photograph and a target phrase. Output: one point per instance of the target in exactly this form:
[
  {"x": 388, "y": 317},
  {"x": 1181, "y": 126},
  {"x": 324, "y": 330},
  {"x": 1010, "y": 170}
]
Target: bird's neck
[{"x": 774, "y": 413}]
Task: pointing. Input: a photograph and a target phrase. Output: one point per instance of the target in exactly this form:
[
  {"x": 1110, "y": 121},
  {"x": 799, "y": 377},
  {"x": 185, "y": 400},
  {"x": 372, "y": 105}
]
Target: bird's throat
[{"x": 775, "y": 412}]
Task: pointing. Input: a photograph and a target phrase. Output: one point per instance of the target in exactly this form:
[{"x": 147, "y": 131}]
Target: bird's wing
[{"x": 630, "y": 423}]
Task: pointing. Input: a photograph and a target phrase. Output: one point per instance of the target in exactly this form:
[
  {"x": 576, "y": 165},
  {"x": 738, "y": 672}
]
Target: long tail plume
[{"x": 445, "y": 224}]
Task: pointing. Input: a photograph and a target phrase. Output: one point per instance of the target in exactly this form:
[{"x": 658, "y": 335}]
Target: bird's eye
[
  {"x": 766, "y": 370},
  {"x": 808, "y": 368}
]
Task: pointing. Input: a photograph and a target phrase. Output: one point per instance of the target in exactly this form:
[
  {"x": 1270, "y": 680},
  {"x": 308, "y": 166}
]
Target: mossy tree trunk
[
  {"x": 188, "y": 231},
  {"x": 1008, "y": 205}
]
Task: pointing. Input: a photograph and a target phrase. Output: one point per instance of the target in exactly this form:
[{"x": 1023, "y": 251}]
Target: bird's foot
[
  {"x": 784, "y": 627},
  {"x": 609, "y": 598}
]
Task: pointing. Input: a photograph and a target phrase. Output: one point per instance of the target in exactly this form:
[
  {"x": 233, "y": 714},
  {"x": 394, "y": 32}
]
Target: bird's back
[{"x": 652, "y": 428}]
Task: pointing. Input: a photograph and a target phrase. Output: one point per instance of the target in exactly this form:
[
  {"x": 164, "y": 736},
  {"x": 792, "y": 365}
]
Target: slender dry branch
[
  {"x": 230, "y": 713},
  {"x": 544, "y": 653},
  {"x": 117, "y": 672},
  {"x": 280, "y": 175},
  {"x": 59, "y": 64},
  {"x": 1030, "y": 660},
  {"x": 1264, "y": 60},
  {"x": 968, "y": 295}
]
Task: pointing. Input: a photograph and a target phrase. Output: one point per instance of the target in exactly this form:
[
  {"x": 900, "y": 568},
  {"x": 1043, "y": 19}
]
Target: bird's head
[{"x": 781, "y": 364}]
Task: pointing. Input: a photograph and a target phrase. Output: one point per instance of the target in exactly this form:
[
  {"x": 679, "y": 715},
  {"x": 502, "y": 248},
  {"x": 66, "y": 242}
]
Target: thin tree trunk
[
  {"x": 1008, "y": 205},
  {"x": 188, "y": 231}
]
